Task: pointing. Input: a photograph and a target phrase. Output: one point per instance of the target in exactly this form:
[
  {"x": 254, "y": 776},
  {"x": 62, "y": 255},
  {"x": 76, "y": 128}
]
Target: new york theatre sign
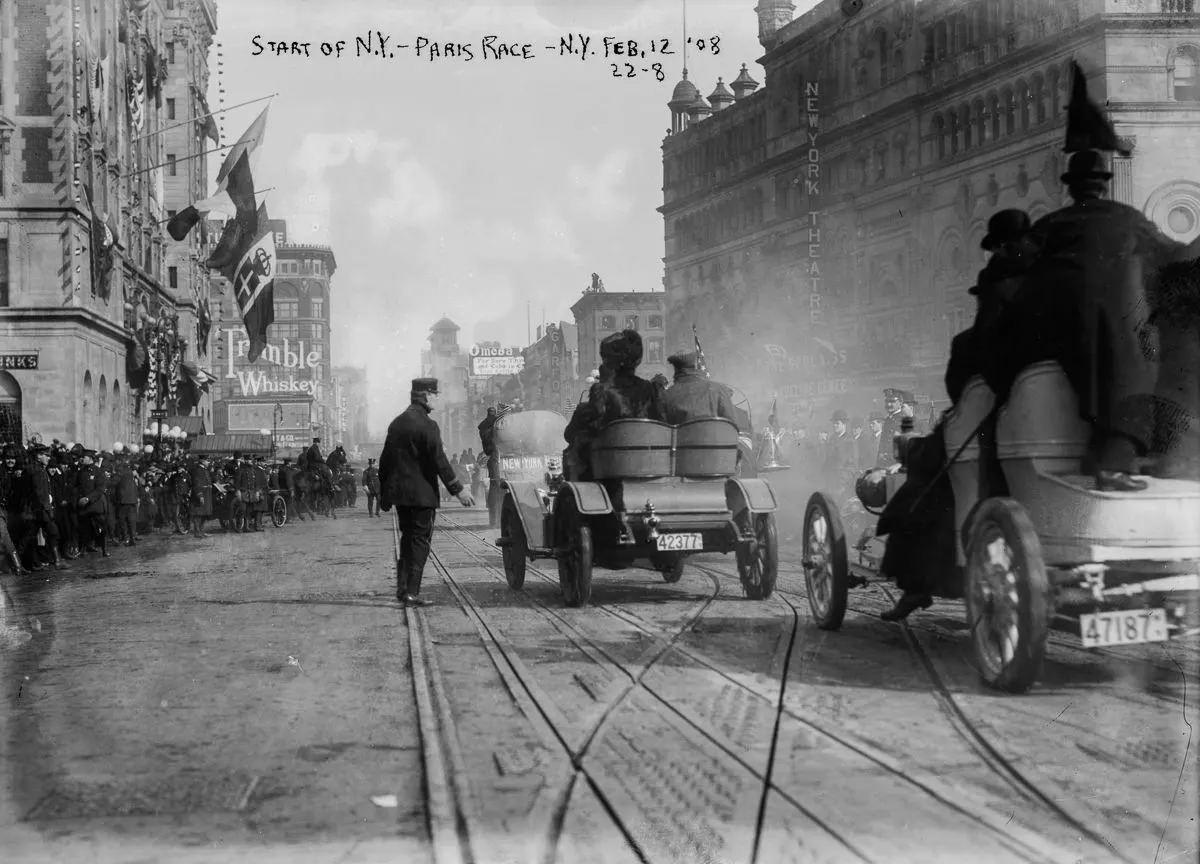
[{"x": 283, "y": 368}]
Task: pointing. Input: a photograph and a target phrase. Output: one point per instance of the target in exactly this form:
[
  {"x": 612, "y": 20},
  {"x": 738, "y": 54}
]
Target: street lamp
[{"x": 276, "y": 419}]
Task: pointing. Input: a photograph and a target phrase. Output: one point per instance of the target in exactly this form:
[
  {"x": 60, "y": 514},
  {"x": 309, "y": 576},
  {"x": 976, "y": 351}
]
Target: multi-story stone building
[
  {"x": 352, "y": 411},
  {"x": 82, "y": 202},
  {"x": 599, "y": 313},
  {"x": 549, "y": 380},
  {"x": 447, "y": 361},
  {"x": 824, "y": 229},
  {"x": 287, "y": 389}
]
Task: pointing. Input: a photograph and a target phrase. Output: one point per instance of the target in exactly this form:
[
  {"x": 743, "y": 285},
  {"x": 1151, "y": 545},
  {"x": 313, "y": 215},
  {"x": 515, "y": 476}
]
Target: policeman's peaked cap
[
  {"x": 840, "y": 416},
  {"x": 892, "y": 393},
  {"x": 425, "y": 385}
]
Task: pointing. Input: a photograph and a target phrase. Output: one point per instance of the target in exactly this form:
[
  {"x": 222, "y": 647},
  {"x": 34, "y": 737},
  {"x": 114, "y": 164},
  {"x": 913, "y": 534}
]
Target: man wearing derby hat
[
  {"x": 839, "y": 449},
  {"x": 692, "y": 395},
  {"x": 893, "y": 404},
  {"x": 370, "y": 481},
  {"x": 409, "y": 468},
  {"x": 1084, "y": 304}
]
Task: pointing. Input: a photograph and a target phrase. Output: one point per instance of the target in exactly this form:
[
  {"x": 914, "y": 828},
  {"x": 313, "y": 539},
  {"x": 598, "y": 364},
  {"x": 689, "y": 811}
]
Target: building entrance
[{"x": 10, "y": 409}]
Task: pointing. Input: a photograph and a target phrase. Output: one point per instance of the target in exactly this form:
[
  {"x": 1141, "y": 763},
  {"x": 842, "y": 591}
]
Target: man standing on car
[{"x": 409, "y": 468}]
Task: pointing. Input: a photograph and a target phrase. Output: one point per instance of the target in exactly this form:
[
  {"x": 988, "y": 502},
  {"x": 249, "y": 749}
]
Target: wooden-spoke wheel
[
  {"x": 826, "y": 573},
  {"x": 670, "y": 565},
  {"x": 1008, "y": 596},
  {"x": 574, "y": 556},
  {"x": 279, "y": 512},
  {"x": 516, "y": 548},
  {"x": 758, "y": 562}
]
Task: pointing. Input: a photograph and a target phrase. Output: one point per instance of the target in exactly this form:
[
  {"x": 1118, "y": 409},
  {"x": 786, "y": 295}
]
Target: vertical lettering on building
[{"x": 812, "y": 193}]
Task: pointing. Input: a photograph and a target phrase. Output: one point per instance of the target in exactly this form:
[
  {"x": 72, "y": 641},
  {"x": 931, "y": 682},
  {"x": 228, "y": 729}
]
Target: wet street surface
[{"x": 264, "y": 697}]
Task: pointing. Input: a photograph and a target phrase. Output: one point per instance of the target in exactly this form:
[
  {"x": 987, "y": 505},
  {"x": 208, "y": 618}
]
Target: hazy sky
[{"x": 466, "y": 187}]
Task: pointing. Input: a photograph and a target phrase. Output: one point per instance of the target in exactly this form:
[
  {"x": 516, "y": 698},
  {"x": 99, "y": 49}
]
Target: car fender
[
  {"x": 591, "y": 498},
  {"x": 750, "y": 493},
  {"x": 529, "y": 506}
]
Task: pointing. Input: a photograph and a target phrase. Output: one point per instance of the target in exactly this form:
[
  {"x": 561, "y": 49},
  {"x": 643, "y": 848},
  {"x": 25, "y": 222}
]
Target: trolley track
[
  {"x": 1025, "y": 843},
  {"x": 665, "y": 643},
  {"x": 968, "y": 728}
]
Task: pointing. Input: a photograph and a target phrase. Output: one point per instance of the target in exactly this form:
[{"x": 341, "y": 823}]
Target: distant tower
[
  {"x": 698, "y": 110},
  {"x": 682, "y": 99},
  {"x": 772, "y": 16},
  {"x": 743, "y": 84},
  {"x": 720, "y": 97}
]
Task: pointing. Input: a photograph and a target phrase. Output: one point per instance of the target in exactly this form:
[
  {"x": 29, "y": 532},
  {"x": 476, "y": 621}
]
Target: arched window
[
  {"x": 1039, "y": 99},
  {"x": 1022, "y": 97},
  {"x": 940, "y": 40},
  {"x": 960, "y": 32},
  {"x": 85, "y": 404},
  {"x": 1185, "y": 71},
  {"x": 898, "y": 62},
  {"x": 964, "y": 122},
  {"x": 953, "y": 131},
  {"x": 993, "y": 103},
  {"x": 938, "y": 130},
  {"x": 1010, "y": 111},
  {"x": 117, "y": 409},
  {"x": 1054, "y": 85},
  {"x": 11, "y": 429},
  {"x": 980, "y": 117}
]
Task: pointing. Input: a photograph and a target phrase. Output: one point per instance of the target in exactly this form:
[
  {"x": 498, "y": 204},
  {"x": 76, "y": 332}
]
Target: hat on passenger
[
  {"x": 685, "y": 360},
  {"x": 1004, "y": 226},
  {"x": 1086, "y": 165},
  {"x": 840, "y": 416},
  {"x": 370, "y": 461},
  {"x": 622, "y": 350},
  {"x": 891, "y": 393},
  {"x": 425, "y": 385}
]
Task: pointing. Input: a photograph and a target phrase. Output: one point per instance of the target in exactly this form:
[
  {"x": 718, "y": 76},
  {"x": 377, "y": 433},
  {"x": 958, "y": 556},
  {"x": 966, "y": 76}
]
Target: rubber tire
[
  {"x": 575, "y": 559},
  {"x": 516, "y": 551},
  {"x": 831, "y": 616},
  {"x": 1034, "y": 603},
  {"x": 670, "y": 565},
  {"x": 278, "y": 512},
  {"x": 767, "y": 558}
]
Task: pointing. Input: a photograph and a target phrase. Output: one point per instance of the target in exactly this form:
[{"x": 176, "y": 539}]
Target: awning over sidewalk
[
  {"x": 232, "y": 442},
  {"x": 193, "y": 426}
]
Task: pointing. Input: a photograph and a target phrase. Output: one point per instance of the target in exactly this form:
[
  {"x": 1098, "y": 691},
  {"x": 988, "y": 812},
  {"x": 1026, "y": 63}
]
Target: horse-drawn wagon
[
  {"x": 1123, "y": 566},
  {"x": 656, "y": 494}
]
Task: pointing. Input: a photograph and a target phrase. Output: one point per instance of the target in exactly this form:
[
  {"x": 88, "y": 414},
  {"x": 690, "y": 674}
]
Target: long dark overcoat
[{"x": 412, "y": 461}]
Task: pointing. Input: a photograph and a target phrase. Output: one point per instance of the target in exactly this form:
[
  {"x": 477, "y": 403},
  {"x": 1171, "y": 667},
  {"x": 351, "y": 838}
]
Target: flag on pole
[
  {"x": 136, "y": 83},
  {"x": 253, "y": 281},
  {"x": 701, "y": 364},
  {"x": 223, "y": 203},
  {"x": 242, "y": 229},
  {"x": 1087, "y": 127},
  {"x": 103, "y": 246}
]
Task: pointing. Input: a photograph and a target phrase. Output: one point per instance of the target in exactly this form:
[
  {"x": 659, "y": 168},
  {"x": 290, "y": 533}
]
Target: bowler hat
[
  {"x": 424, "y": 385},
  {"x": 370, "y": 461},
  {"x": 685, "y": 360},
  {"x": 891, "y": 393},
  {"x": 840, "y": 416},
  {"x": 1004, "y": 226},
  {"x": 1086, "y": 165},
  {"x": 876, "y": 417}
]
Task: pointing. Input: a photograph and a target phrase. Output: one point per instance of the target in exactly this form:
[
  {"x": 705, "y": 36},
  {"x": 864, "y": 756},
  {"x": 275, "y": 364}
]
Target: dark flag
[
  {"x": 701, "y": 364},
  {"x": 103, "y": 247},
  {"x": 242, "y": 229},
  {"x": 236, "y": 169},
  {"x": 1087, "y": 127},
  {"x": 253, "y": 279}
]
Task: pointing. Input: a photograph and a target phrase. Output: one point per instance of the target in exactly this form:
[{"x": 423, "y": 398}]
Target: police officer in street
[
  {"x": 409, "y": 467},
  {"x": 893, "y": 403},
  {"x": 487, "y": 441},
  {"x": 370, "y": 481},
  {"x": 692, "y": 395},
  {"x": 92, "y": 495}
]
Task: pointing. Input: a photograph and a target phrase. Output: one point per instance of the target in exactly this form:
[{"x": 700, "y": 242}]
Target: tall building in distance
[
  {"x": 82, "y": 203},
  {"x": 352, "y": 429},
  {"x": 288, "y": 389},
  {"x": 599, "y": 313},
  {"x": 446, "y": 361},
  {"x": 549, "y": 380},
  {"x": 822, "y": 231}
]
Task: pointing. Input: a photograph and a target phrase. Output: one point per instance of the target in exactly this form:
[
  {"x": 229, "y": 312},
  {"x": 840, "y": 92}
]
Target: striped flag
[
  {"x": 137, "y": 98},
  {"x": 701, "y": 364}
]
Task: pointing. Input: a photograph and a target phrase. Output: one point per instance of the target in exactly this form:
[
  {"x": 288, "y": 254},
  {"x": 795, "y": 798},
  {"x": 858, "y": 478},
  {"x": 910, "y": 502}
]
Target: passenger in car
[
  {"x": 692, "y": 395},
  {"x": 619, "y": 394}
]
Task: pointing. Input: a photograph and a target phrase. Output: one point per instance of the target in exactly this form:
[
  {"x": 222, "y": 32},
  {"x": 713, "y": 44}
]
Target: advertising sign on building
[
  {"x": 286, "y": 367},
  {"x": 495, "y": 361}
]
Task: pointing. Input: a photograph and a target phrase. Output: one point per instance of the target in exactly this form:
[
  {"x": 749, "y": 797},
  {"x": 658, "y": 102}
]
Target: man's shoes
[
  {"x": 1118, "y": 481},
  {"x": 906, "y": 605},
  {"x": 414, "y": 600}
]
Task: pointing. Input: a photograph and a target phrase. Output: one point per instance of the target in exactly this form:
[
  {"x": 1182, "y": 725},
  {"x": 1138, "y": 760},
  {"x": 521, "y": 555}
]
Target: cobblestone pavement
[{"x": 246, "y": 697}]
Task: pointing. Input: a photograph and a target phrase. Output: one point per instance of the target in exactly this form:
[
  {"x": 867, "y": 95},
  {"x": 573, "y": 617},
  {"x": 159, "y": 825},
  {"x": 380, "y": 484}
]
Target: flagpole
[
  {"x": 202, "y": 116},
  {"x": 185, "y": 159}
]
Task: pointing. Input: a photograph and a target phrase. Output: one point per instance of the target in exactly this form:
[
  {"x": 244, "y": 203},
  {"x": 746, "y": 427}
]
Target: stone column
[{"x": 1122, "y": 168}]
